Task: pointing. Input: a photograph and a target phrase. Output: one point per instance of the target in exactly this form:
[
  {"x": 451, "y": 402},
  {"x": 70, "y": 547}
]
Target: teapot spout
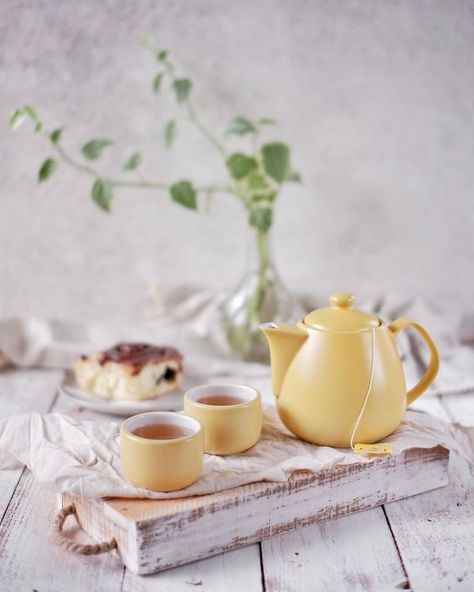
[{"x": 284, "y": 341}]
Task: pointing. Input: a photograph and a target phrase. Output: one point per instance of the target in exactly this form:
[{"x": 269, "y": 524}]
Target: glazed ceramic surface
[
  {"x": 337, "y": 362},
  {"x": 162, "y": 465},
  {"x": 228, "y": 429}
]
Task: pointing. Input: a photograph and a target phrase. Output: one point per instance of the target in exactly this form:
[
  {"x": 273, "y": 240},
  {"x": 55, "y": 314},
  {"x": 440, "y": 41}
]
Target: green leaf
[
  {"x": 293, "y": 176},
  {"x": 276, "y": 160},
  {"x": 47, "y": 169},
  {"x": 162, "y": 55},
  {"x": 133, "y": 162},
  {"x": 184, "y": 193},
  {"x": 240, "y": 165},
  {"x": 102, "y": 193},
  {"x": 259, "y": 188},
  {"x": 17, "y": 118},
  {"x": 171, "y": 129},
  {"x": 257, "y": 181},
  {"x": 261, "y": 218},
  {"x": 157, "y": 82},
  {"x": 55, "y": 135},
  {"x": 182, "y": 89},
  {"x": 266, "y": 121},
  {"x": 93, "y": 149},
  {"x": 267, "y": 196},
  {"x": 240, "y": 126},
  {"x": 31, "y": 112}
]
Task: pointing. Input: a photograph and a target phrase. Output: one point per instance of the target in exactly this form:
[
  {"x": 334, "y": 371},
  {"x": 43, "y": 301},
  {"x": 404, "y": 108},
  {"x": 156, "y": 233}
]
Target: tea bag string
[{"x": 369, "y": 388}]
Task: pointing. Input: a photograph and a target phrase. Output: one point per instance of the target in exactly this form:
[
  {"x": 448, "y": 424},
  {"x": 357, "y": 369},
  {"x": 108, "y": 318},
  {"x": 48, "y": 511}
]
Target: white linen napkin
[{"x": 82, "y": 458}]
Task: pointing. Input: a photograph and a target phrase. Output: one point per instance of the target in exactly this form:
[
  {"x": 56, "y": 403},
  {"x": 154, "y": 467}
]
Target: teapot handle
[{"x": 433, "y": 366}]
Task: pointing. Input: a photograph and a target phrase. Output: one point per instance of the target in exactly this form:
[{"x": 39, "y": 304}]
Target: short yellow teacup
[
  {"x": 162, "y": 450},
  {"x": 231, "y": 415}
]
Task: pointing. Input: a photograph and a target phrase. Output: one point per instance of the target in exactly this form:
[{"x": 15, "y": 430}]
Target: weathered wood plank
[
  {"x": 8, "y": 481},
  {"x": 354, "y": 553},
  {"x": 235, "y": 571},
  {"x": 435, "y": 531},
  {"x": 22, "y": 391},
  {"x": 30, "y": 558},
  {"x": 435, "y": 535},
  {"x": 154, "y": 535}
]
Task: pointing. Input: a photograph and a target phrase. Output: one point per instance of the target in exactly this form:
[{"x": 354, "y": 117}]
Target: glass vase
[{"x": 259, "y": 297}]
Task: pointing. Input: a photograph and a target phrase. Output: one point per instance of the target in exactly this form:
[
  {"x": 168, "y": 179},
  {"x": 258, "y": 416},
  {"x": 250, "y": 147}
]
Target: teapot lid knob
[{"x": 342, "y": 300}]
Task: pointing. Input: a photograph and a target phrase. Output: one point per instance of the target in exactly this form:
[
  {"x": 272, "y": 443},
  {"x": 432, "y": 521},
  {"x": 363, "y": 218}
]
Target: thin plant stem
[
  {"x": 263, "y": 266},
  {"x": 192, "y": 115},
  {"x": 140, "y": 183},
  {"x": 193, "y": 118},
  {"x": 243, "y": 337},
  {"x": 72, "y": 162}
]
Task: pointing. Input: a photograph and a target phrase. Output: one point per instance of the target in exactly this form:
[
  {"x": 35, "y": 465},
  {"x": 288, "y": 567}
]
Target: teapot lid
[{"x": 340, "y": 316}]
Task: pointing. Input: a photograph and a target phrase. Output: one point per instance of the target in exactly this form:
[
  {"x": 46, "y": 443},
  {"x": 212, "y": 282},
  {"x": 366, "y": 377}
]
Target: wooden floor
[{"x": 423, "y": 543}]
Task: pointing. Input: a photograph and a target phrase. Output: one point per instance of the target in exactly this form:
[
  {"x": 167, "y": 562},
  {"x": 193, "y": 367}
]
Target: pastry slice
[{"x": 130, "y": 371}]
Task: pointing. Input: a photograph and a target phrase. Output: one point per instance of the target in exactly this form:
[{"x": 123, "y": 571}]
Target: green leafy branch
[
  {"x": 102, "y": 191},
  {"x": 255, "y": 178}
]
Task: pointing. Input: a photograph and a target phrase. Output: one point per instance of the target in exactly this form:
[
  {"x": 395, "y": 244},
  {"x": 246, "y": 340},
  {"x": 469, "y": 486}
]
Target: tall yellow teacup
[
  {"x": 163, "y": 458},
  {"x": 231, "y": 415}
]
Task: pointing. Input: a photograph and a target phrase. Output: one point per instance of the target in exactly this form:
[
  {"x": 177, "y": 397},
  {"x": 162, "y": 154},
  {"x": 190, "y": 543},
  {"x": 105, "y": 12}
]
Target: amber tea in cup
[
  {"x": 220, "y": 399},
  {"x": 231, "y": 415},
  {"x": 162, "y": 431},
  {"x": 161, "y": 450}
]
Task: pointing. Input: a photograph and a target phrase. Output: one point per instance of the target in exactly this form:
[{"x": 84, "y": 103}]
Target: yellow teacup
[
  {"x": 161, "y": 450},
  {"x": 230, "y": 414}
]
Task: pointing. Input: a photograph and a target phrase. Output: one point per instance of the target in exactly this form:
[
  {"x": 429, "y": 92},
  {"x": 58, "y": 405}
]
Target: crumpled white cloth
[
  {"x": 83, "y": 458},
  {"x": 187, "y": 318}
]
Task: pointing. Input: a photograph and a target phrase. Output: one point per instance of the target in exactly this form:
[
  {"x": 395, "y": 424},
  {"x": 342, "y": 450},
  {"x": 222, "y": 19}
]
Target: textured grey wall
[{"x": 375, "y": 97}]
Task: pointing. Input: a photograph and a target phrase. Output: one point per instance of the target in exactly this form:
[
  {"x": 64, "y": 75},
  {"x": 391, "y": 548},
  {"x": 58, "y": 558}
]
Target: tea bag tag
[{"x": 373, "y": 449}]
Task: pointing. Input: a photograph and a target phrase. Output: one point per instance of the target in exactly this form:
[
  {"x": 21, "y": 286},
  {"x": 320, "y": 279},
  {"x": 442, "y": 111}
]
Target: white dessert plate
[{"x": 168, "y": 402}]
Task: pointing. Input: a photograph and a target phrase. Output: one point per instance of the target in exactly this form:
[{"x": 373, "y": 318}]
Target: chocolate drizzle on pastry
[{"x": 138, "y": 355}]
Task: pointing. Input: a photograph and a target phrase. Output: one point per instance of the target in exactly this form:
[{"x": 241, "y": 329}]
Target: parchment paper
[{"x": 82, "y": 457}]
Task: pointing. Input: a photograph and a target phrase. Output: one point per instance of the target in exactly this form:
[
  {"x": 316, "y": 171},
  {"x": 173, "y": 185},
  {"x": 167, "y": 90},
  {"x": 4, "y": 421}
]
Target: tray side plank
[{"x": 154, "y": 535}]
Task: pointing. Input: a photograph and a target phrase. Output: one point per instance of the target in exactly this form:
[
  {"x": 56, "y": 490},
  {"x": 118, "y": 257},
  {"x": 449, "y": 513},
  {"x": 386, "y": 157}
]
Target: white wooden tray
[{"x": 153, "y": 535}]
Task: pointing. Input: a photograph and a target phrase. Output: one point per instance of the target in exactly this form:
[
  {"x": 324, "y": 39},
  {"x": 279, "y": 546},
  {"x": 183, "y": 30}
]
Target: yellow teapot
[{"x": 337, "y": 374}]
